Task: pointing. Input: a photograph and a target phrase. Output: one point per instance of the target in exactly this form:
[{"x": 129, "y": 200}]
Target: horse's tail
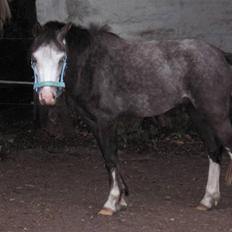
[{"x": 228, "y": 57}]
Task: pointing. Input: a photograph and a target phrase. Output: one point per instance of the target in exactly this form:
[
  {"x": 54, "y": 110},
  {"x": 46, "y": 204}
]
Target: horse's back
[{"x": 152, "y": 77}]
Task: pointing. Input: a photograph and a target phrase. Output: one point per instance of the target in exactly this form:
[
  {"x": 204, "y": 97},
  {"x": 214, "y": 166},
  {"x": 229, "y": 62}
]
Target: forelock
[{"x": 48, "y": 37}]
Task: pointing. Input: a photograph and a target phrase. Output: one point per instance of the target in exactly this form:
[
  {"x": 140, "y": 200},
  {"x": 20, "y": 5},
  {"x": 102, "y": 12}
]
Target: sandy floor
[{"x": 42, "y": 191}]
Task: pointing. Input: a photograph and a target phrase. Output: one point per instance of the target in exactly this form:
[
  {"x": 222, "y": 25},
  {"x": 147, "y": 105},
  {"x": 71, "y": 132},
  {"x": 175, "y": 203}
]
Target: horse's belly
[{"x": 147, "y": 106}]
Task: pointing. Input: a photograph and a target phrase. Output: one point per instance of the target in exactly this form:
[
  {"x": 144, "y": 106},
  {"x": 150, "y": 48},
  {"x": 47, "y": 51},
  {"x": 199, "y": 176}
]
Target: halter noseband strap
[{"x": 59, "y": 84}]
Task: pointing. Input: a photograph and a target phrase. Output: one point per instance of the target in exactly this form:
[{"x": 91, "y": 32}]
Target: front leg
[
  {"x": 116, "y": 198},
  {"x": 212, "y": 193},
  {"x": 106, "y": 138}
]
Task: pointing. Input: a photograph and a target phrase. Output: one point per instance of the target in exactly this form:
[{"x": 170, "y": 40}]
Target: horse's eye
[
  {"x": 62, "y": 60},
  {"x": 33, "y": 60}
]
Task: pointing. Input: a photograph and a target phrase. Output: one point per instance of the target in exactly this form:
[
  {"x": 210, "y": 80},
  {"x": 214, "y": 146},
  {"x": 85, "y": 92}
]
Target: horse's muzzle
[{"x": 47, "y": 96}]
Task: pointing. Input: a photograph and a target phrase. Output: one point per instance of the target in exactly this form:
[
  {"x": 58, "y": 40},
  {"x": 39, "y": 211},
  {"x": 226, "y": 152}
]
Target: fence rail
[
  {"x": 16, "y": 82},
  {"x": 5, "y": 82},
  {"x": 13, "y": 51}
]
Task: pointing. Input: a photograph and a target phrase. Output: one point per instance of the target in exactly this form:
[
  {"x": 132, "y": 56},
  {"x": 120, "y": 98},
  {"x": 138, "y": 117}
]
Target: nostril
[
  {"x": 42, "y": 101},
  {"x": 40, "y": 97},
  {"x": 54, "y": 96}
]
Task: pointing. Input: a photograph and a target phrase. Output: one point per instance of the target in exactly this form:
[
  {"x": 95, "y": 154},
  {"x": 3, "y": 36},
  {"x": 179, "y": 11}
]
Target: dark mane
[
  {"x": 101, "y": 29},
  {"x": 82, "y": 37}
]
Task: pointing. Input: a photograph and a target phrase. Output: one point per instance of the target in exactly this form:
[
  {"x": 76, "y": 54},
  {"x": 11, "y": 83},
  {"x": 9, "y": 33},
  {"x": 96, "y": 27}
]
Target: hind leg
[
  {"x": 224, "y": 133},
  {"x": 218, "y": 117},
  {"x": 212, "y": 192}
]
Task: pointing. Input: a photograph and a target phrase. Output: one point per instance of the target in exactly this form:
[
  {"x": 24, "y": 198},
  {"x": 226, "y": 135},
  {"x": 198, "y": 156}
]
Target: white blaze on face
[{"x": 48, "y": 68}]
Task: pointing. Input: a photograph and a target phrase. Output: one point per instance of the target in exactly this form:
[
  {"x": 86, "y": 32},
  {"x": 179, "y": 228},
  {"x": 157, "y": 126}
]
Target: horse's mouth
[
  {"x": 50, "y": 102},
  {"x": 47, "y": 96}
]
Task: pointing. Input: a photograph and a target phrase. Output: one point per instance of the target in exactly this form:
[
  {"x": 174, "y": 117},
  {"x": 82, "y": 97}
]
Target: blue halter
[{"x": 59, "y": 84}]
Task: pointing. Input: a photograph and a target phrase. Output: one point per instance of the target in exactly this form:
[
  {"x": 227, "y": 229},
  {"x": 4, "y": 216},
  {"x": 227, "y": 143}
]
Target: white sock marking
[
  {"x": 114, "y": 195},
  {"x": 212, "y": 193},
  {"x": 229, "y": 152}
]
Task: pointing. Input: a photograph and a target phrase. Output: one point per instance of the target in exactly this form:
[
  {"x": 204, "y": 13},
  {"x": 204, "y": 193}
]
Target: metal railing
[
  {"x": 16, "y": 82},
  {"x": 6, "y": 82}
]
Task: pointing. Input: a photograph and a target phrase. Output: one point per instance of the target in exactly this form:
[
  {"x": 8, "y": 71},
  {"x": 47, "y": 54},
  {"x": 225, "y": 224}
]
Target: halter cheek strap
[{"x": 59, "y": 84}]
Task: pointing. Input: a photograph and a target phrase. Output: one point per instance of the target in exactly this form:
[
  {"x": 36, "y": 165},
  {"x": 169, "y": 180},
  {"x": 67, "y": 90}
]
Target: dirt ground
[
  {"x": 44, "y": 190},
  {"x": 52, "y": 186}
]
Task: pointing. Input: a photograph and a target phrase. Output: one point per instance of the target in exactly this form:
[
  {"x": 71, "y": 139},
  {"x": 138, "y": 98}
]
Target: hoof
[
  {"x": 202, "y": 207},
  {"x": 106, "y": 212}
]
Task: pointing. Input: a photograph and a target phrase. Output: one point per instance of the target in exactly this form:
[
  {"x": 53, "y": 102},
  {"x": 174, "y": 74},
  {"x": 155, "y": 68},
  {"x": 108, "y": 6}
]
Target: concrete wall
[{"x": 210, "y": 20}]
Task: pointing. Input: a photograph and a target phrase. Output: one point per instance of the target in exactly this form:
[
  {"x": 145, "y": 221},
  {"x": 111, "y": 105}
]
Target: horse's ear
[
  {"x": 37, "y": 29},
  {"x": 63, "y": 32}
]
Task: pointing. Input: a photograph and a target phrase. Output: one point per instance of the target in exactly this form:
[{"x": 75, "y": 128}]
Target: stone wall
[{"x": 210, "y": 20}]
